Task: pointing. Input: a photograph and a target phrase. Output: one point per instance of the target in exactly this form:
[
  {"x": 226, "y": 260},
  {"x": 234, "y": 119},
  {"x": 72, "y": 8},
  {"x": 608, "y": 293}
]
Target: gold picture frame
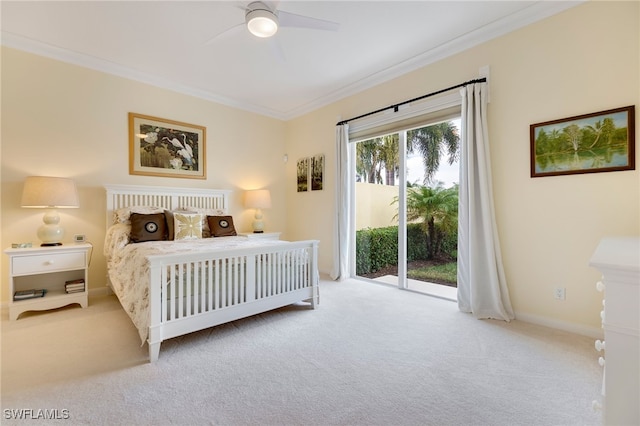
[{"x": 166, "y": 148}]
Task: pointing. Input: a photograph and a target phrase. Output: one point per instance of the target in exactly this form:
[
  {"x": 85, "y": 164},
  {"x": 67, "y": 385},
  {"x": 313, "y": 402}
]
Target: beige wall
[
  {"x": 583, "y": 60},
  {"x": 374, "y": 205},
  {"x": 64, "y": 120}
]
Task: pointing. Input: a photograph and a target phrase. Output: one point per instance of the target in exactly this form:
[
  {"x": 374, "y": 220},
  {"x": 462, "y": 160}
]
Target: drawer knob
[
  {"x": 600, "y": 286},
  {"x": 49, "y": 262},
  {"x": 599, "y": 345},
  {"x": 601, "y": 361}
]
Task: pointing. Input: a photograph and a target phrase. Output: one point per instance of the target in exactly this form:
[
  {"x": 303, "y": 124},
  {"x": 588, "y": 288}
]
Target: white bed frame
[{"x": 236, "y": 283}]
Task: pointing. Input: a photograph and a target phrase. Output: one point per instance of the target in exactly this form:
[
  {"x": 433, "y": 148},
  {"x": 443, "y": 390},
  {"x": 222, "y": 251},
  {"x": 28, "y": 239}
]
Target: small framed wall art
[
  {"x": 317, "y": 172},
  {"x": 168, "y": 148},
  {"x": 598, "y": 142},
  {"x": 310, "y": 173},
  {"x": 302, "y": 174}
]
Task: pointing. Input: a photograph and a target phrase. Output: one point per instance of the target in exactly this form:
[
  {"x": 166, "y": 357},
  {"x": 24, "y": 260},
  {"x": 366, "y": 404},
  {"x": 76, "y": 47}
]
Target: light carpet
[{"x": 368, "y": 355}]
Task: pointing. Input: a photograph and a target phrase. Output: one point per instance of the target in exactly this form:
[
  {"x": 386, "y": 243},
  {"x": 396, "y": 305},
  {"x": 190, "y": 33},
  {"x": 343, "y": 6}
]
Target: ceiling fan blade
[
  {"x": 276, "y": 49},
  {"x": 224, "y": 34},
  {"x": 292, "y": 20}
]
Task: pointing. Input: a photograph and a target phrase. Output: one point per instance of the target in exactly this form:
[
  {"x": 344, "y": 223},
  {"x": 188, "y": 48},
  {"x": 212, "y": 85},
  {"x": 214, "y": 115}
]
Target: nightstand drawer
[{"x": 42, "y": 263}]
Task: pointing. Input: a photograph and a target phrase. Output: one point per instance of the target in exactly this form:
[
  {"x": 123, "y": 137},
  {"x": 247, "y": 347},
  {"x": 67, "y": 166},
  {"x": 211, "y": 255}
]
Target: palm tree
[
  {"x": 367, "y": 161},
  {"x": 437, "y": 209},
  {"x": 431, "y": 142},
  {"x": 602, "y": 128},
  {"x": 389, "y": 157}
]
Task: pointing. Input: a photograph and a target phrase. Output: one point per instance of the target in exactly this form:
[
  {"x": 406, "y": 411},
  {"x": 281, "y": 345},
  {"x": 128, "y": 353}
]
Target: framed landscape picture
[
  {"x": 598, "y": 142},
  {"x": 161, "y": 147}
]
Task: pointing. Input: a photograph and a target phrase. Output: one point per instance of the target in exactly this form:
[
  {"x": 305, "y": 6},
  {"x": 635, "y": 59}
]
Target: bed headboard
[{"x": 119, "y": 196}]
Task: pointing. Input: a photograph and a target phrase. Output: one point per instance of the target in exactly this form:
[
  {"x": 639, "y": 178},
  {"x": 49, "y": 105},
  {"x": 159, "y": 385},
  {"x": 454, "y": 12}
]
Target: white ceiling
[{"x": 165, "y": 44}]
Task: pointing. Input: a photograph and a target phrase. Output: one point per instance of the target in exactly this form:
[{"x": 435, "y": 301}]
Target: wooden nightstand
[
  {"x": 264, "y": 235},
  {"x": 48, "y": 268}
]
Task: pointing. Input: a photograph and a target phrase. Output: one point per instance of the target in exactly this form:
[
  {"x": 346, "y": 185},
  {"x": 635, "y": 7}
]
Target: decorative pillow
[
  {"x": 187, "y": 226},
  {"x": 148, "y": 227},
  {"x": 122, "y": 215},
  {"x": 221, "y": 226},
  {"x": 168, "y": 214},
  {"x": 206, "y": 231}
]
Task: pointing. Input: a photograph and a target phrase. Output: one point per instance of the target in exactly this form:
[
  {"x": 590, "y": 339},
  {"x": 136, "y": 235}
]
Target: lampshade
[
  {"x": 45, "y": 191},
  {"x": 262, "y": 23},
  {"x": 52, "y": 193},
  {"x": 257, "y": 199}
]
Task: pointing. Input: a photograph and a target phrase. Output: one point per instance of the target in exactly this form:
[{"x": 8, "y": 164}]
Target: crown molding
[
  {"x": 18, "y": 42},
  {"x": 538, "y": 11}
]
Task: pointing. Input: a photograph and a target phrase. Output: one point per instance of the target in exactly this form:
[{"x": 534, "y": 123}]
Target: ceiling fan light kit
[{"x": 262, "y": 22}]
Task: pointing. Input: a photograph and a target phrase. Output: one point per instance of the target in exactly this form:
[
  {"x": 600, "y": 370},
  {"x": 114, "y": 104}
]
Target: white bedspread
[{"x": 128, "y": 266}]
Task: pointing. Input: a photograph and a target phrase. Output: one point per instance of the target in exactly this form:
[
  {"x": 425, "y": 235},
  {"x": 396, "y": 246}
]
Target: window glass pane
[{"x": 376, "y": 194}]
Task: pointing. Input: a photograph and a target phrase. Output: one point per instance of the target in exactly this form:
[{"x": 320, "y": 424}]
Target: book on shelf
[
  {"x": 81, "y": 285},
  {"x": 29, "y": 294},
  {"x": 74, "y": 286}
]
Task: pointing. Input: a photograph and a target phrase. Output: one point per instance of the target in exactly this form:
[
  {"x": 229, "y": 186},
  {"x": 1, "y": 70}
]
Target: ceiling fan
[{"x": 263, "y": 21}]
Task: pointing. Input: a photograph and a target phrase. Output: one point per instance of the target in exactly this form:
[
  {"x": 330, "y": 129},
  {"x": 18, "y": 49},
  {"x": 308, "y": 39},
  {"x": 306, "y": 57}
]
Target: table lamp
[
  {"x": 258, "y": 199},
  {"x": 50, "y": 193}
]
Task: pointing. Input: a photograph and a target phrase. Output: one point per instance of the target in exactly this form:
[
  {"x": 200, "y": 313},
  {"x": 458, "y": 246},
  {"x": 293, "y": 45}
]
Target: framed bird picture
[{"x": 167, "y": 148}]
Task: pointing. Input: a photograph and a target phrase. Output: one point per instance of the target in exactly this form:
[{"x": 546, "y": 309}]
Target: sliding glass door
[{"x": 405, "y": 207}]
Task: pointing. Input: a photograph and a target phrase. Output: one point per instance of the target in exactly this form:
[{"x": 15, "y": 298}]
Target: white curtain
[
  {"x": 482, "y": 287},
  {"x": 341, "y": 234}
]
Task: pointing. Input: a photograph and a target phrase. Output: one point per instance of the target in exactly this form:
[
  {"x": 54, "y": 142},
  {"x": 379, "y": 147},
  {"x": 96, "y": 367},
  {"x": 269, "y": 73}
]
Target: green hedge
[{"x": 378, "y": 248}]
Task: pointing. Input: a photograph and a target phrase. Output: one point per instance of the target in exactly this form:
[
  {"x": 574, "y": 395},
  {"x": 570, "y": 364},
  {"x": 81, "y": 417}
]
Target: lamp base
[
  {"x": 258, "y": 224},
  {"x": 50, "y": 233}
]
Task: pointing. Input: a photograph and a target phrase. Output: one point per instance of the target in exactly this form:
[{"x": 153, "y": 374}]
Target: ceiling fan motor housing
[{"x": 261, "y": 21}]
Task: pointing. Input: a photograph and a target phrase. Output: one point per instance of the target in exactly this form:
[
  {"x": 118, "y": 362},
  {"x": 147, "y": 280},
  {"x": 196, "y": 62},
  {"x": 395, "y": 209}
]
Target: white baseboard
[
  {"x": 583, "y": 330},
  {"x": 100, "y": 291}
]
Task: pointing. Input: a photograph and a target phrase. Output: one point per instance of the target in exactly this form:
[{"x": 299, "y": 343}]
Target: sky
[{"x": 447, "y": 174}]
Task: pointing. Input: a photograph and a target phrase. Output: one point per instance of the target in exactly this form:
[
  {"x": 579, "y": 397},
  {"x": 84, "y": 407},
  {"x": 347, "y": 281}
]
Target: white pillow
[{"x": 187, "y": 226}]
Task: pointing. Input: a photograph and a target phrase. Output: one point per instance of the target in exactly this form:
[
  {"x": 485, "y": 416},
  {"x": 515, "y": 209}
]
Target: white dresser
[{"x": 618, "y": 259}]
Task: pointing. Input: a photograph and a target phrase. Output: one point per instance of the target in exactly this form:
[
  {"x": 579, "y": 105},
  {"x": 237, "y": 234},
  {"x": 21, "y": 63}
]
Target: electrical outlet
[{"x": 559, "y": 293}]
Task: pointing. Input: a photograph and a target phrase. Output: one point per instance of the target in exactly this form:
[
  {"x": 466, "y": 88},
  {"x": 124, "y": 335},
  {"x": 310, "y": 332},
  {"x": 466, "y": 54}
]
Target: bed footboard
[{"x": 194, "y": 291}]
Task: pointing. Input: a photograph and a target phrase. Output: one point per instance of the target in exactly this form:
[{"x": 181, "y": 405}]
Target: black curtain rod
[{"x": 396, "y": 106}]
